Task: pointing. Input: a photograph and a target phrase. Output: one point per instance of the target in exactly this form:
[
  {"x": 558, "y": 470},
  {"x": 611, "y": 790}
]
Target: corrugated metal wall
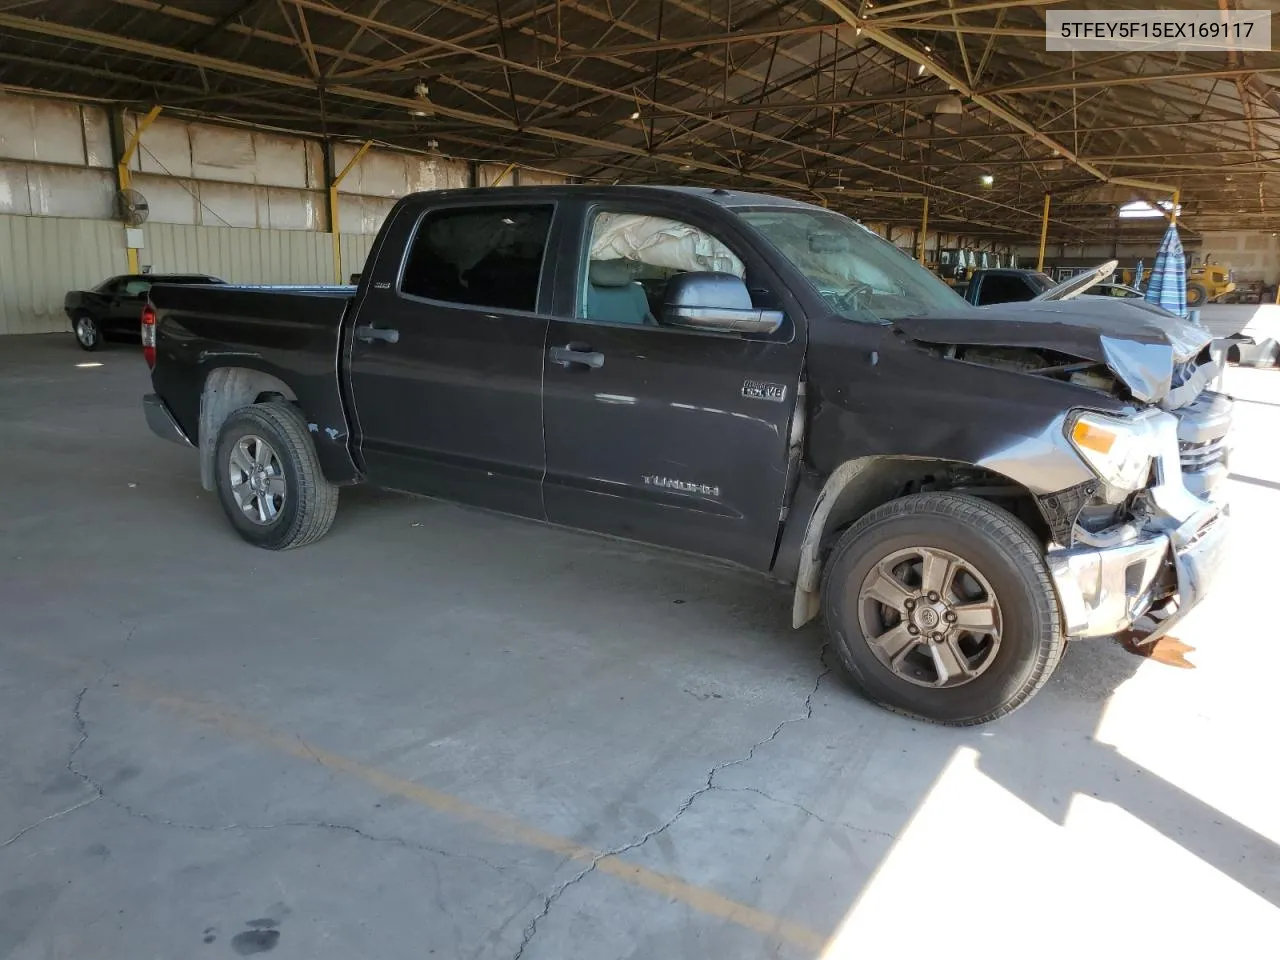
[
  {"x": 42, "y": 257},
  {"x": 238, "y": 255},
  {"x": 355, "y": 251},
  {"x": 246, "y": 205}
]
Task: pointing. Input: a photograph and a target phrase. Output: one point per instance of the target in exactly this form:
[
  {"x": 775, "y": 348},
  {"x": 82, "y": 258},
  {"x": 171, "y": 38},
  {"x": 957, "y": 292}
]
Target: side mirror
[{"x": 715, "y": 303}]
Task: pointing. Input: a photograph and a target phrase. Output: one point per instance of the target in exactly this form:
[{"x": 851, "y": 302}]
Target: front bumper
[
  {"x": 1109, "y": 590},
  {"x": 162, "y": 422},
  {"x": 1142, "y": 578}
]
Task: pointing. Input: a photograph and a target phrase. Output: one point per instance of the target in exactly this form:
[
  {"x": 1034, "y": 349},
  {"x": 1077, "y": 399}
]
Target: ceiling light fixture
[
  {"x": 635, "y": 114},
  {"x": 420, "y": 93},
  {"x": 988, "y": 179}
]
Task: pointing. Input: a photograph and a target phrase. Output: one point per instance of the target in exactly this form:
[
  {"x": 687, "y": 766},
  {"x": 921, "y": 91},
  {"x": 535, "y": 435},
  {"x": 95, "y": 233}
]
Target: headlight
[{"x": 1118, "y": 450}]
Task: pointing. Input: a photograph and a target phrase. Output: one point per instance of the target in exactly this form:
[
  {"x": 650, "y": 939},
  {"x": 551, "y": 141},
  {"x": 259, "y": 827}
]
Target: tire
[
  {"x": 998, "y": 555},
  {"x": 286, "y": 502},
  {"x": 1196, "y": 294},
  {"x": 87, "y": 332}
]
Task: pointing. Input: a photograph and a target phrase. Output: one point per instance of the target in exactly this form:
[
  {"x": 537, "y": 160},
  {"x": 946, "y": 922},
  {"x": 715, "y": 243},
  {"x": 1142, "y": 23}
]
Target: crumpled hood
[{"x": 1139, "y": 342}]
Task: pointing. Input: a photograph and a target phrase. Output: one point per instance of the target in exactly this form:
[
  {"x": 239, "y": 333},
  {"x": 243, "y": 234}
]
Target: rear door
[
  {"x": 446, "y": 353},
  {"x": 655, "y": 433}
]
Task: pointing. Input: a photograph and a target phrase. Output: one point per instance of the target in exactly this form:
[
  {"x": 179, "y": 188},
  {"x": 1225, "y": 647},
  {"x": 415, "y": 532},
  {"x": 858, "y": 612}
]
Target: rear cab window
[{"x": 487, "y": 256}]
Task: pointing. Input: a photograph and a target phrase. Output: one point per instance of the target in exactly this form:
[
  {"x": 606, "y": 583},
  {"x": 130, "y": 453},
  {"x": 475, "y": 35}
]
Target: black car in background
[{"x": 114, "y": 307}]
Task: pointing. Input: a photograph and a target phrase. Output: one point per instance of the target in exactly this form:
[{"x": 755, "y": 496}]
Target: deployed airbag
[{"x": 660, "y": 242}]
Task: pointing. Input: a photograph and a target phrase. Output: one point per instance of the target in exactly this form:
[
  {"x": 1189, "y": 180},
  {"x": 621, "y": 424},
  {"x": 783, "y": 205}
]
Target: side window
[
  {"x": 135, "y": 288},
  {"x": 632, "y": 257},
  {"x": 479, "y": 256}
]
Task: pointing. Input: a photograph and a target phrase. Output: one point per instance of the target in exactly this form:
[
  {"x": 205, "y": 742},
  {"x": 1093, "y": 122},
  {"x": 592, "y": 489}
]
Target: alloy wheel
[
  {"x": 930, "y": 617},
  {"x": 257, "y": 479}
]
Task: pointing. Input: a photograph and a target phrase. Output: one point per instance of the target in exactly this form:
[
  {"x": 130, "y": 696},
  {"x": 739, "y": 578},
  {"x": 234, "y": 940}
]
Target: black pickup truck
[{"x": 957, "y": 490}]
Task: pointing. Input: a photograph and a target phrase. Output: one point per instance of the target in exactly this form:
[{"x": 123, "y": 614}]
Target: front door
[
  {"x": 124, "y": 309},
  {"x": 660, "y": 434},
  {"x": 446, "y": 355}
]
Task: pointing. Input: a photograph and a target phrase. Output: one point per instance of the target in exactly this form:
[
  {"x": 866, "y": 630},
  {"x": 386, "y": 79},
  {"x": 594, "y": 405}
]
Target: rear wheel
[
  {"x": 1196, "y": 294},
  {"x": 269, "y": 480},
  {"x": 940, "y": 606},
  {"x": 87, "y": 333}
]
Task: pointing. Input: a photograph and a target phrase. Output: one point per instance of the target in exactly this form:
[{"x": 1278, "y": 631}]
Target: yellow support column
[
  {"x": 924, "y": 231},
  {"x": 334, "y": 225},
  {"x": 124, "y": 179},
  {"x": 1044, "y": 233}
]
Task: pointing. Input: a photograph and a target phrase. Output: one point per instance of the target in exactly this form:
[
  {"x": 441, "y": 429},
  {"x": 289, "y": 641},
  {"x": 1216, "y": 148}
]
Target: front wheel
[
  {"x": 87, "y": 333},
  {"x": 940, "y": 606},
  {"x": 269, "y": 480},
  {"x": 1196, "y": 294}
]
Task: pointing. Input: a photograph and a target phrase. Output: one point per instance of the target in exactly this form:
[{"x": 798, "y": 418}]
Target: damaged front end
[
  {"x": 1135, "y": 547},
  {"x": 1132, "y": 569}
]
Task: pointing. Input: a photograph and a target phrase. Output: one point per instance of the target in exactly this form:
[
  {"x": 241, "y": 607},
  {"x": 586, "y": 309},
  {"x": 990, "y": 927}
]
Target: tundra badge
[
  {"x": 762, "y": 390},
  {"x": 667, "y": 483}
]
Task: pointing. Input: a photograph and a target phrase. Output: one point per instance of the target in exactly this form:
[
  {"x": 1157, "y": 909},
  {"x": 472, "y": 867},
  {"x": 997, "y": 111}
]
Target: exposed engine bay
[
  {"x": 1041, "y": 363},
  {"x": 1127, "y": 372}
]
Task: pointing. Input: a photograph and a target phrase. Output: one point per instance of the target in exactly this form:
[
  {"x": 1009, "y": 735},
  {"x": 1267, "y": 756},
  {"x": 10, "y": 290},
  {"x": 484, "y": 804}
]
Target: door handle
[
  {"x": 572, "y": 354},
  {"x": 369, "y": 334}
]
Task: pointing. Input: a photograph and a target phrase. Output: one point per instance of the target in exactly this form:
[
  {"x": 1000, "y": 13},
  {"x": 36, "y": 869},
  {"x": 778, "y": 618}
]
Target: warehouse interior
[{"x": 446, "y": 732}]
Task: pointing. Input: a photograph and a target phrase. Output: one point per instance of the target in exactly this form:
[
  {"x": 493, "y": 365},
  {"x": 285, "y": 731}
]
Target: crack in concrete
[
  {"x": 100, "y": 793},
  {"x": 53, "y": 816},
  {"x": 531, "y": 928}
]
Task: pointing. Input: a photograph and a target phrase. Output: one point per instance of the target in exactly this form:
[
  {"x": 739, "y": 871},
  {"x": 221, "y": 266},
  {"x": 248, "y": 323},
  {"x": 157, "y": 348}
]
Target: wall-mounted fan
[{"x": 131, "y": 208}]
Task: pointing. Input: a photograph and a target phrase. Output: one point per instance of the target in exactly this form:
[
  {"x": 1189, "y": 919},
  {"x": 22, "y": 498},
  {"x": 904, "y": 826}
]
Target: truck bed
[{"x": 291, "y": 333}]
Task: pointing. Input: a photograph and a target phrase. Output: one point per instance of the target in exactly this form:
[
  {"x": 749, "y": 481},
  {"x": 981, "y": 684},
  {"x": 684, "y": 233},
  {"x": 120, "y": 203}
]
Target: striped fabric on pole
[{"x": 1168, "y": 286}]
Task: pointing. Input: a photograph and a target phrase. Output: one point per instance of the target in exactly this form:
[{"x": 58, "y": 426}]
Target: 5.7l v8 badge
[{"x": 762, "y": 390}]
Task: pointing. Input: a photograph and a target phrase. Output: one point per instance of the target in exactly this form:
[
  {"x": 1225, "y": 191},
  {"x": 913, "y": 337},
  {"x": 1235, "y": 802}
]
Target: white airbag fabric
[{"x": 661, "y": 243}]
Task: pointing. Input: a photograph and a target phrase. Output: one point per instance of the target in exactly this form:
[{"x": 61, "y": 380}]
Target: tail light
[{"x": 149, "y": 335}]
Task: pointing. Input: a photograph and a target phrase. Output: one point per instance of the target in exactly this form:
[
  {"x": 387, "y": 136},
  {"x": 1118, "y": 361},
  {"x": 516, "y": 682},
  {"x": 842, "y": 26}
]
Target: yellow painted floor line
[{"x": 502, "y": 825}]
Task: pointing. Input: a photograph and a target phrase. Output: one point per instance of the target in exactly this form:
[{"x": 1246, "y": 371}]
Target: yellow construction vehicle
[
  {"x": 1208, "y": 282},
  {"x": 1205, "y": 282}
]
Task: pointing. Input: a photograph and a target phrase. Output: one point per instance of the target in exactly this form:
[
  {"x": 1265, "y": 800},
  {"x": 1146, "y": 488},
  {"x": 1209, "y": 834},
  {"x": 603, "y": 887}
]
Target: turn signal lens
[{"x": 1091, "y": 436}]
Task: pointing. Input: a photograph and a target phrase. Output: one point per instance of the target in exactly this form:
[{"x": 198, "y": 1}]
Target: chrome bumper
[
  {"x": 1108, "y": 588},
  {"x": 161, "y": 421}
]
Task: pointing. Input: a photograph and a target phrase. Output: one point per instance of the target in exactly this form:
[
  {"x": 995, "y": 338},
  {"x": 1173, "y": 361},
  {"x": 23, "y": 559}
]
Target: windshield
[
  {"x": 1040, "y": 282},
  {"x": 859, "y": 275}
]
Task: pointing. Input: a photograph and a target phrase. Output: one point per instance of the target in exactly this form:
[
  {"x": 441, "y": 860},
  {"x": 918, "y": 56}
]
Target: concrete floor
[{"x": 442, "y": 733}]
